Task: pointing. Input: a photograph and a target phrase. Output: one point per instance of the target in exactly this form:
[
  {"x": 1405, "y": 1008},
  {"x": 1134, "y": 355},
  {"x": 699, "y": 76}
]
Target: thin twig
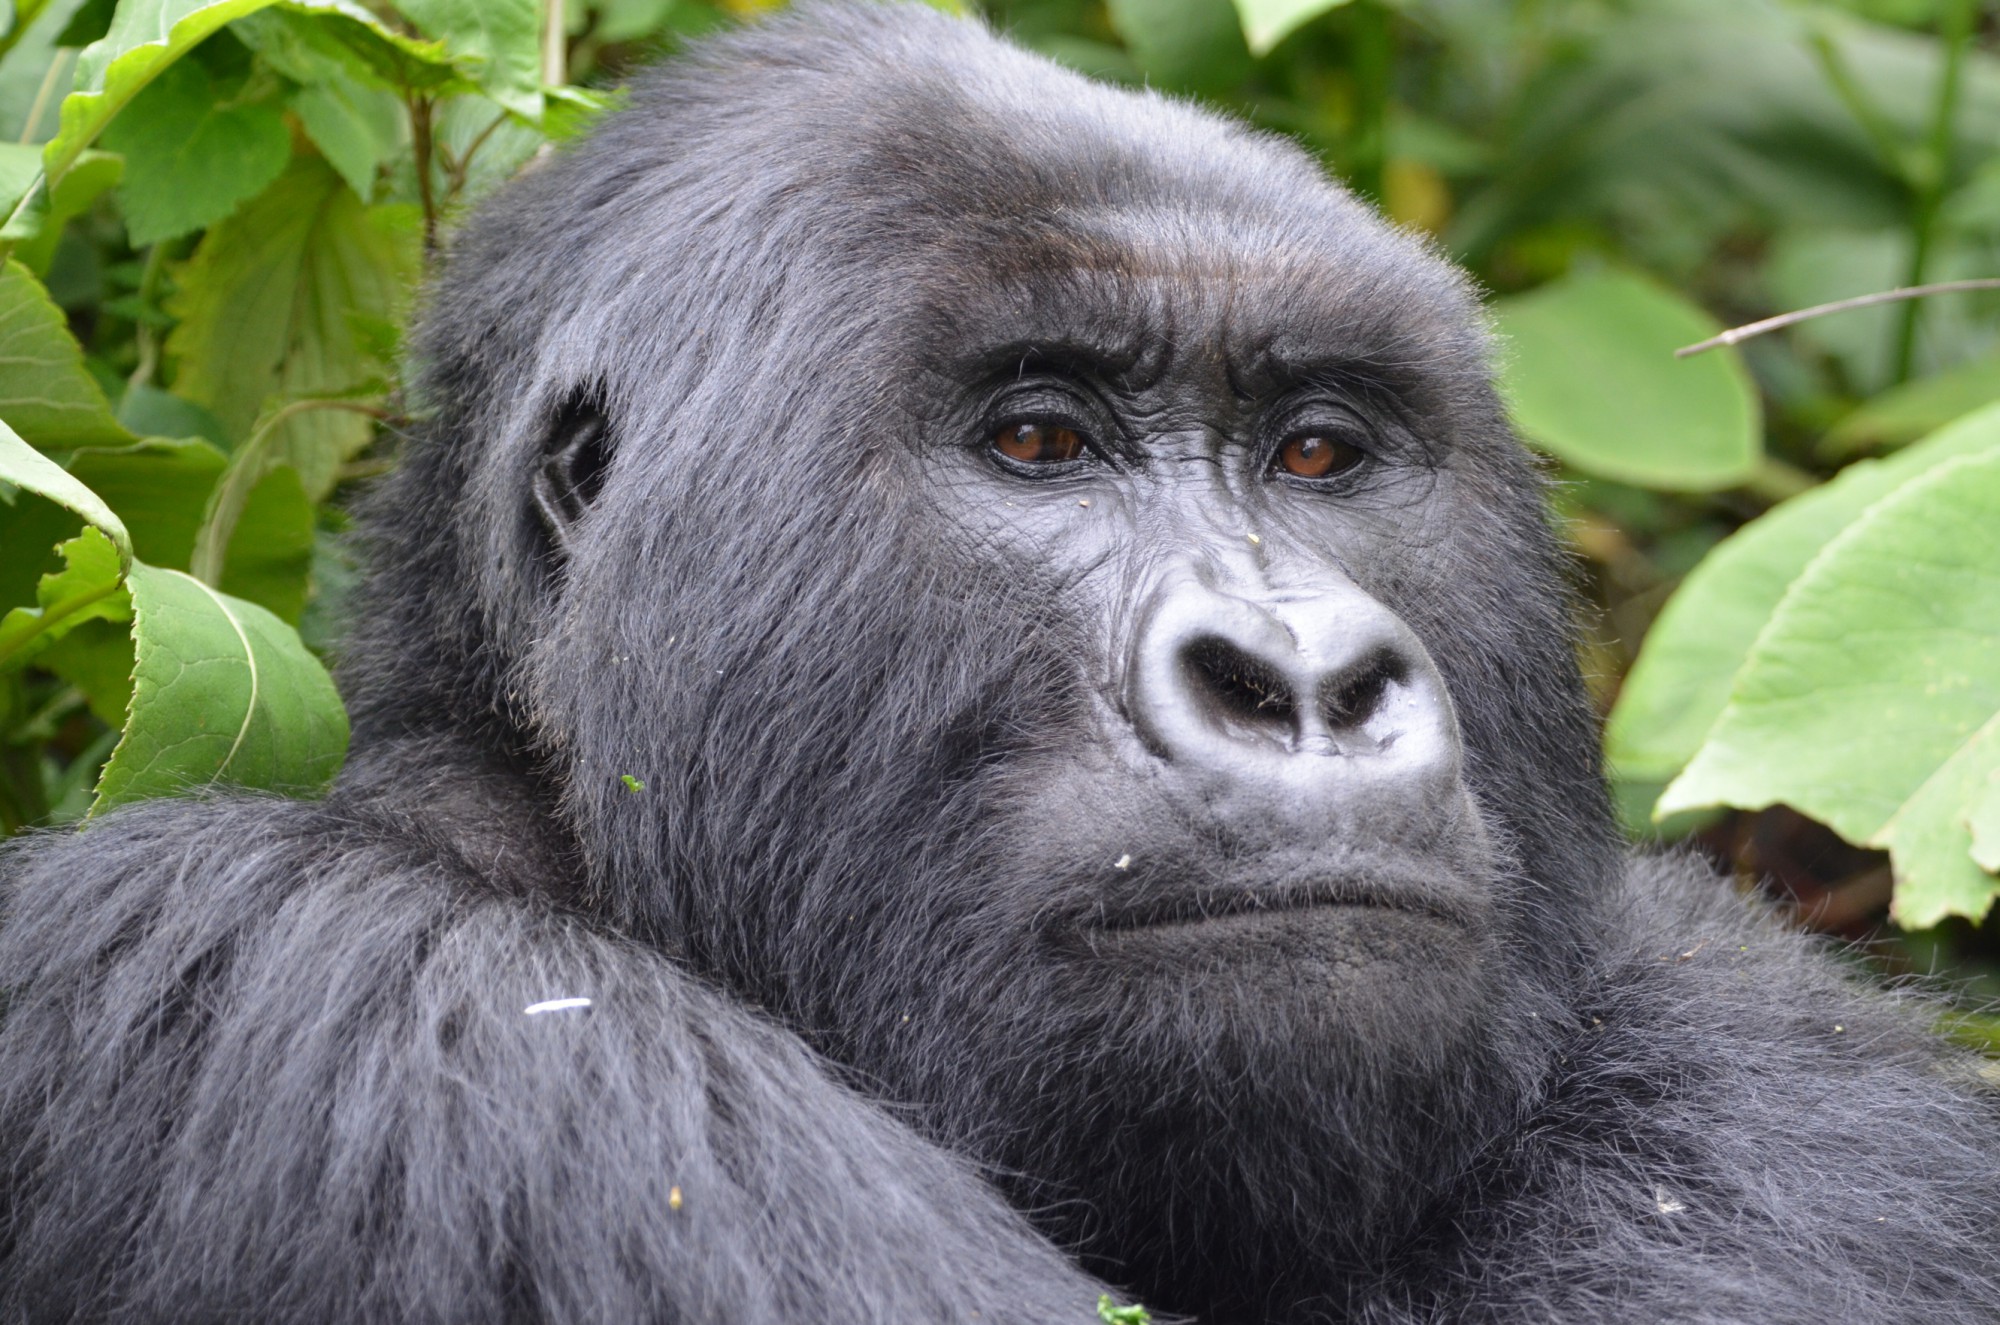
[
  {"x": 461, "y": 166},
  {"x": 1737, "y": 335}
]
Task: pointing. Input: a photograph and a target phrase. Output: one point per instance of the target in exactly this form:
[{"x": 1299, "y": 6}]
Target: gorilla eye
[
  {"x": 1317, "y": 455},
  {"x": 1039, "y": 443}
]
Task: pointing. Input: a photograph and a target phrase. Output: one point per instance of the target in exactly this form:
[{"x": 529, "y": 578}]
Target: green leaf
[
  {"x": 1905, "y": 413},
  {"x": 96, "y": 658},
  {"x": 25, "y": 467},
  {"x": 222, "y": 692},
  {"x": 330, "y": 43},
  {"x": 93, "y": 173},
  {"x": 268, "y": 310},
  {"x": 158, "y": 487},
  {"x": 270, "y": 555},
  {"x": 356, "y": 127},
  {"x": 46, "y": 395},
  {"x": 1268, "y": 22},
  {"x": 1871, "y": 701},
  {"x": 85, "y": 589},
  {"x": 146, "y": 36},
  {"x": 1589, "y": 374},
  {"x": 150, "y": 412},
  {"x": 503, "y": 38},
  {"x": 192, "y": 153},
  {"x": 1681, "y": 680}
]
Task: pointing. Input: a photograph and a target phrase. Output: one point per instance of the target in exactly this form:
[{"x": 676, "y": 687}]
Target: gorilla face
[
  {"x": 1058, "y": 567},
  {"x": 1236, "y": 880}
]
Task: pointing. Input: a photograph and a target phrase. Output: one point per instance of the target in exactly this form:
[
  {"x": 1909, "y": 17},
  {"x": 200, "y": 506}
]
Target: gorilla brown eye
[
  {"x": 1316, "y": 455},
  {"x": 1039, "y": 443}
]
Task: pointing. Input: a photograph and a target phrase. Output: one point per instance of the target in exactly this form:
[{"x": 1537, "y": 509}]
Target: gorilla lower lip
[{"x": 1206, "y": 905}]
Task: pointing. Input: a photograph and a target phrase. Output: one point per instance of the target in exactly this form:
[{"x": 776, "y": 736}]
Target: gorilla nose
[{"x": 1313, "y": 692}]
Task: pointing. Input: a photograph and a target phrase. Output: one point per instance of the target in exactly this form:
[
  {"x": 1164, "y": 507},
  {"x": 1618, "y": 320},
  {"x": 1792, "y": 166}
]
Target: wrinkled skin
[{"x": 1119, "y": 813}]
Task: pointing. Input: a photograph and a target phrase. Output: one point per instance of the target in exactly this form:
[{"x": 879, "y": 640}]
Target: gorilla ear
[{"x": 576, "y": 452}]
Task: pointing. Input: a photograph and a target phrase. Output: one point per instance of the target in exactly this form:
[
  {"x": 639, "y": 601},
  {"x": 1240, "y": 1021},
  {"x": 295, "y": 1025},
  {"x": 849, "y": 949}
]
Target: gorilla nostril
[
  {"x": 1237, "y": 689},
  {"x": 1350, "y": 700}
]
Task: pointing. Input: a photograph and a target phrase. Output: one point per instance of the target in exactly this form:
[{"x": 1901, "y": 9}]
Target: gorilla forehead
[{"x": 956, "y": 182}]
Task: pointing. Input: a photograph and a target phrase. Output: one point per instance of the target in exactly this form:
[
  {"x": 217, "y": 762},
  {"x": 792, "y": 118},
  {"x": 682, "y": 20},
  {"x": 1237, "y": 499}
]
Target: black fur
[{"x": 700, "y": 503}]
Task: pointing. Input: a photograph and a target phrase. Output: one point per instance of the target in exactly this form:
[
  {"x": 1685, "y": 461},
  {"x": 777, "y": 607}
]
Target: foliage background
[{"x": 219, "y": 211}]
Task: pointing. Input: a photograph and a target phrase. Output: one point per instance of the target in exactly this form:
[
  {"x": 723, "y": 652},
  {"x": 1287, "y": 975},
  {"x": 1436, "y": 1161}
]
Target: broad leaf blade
[
  {"x": 145, "y": 37},
  {"x": 1590, "y": 376},
  {"x": 193, "y": 151},
  {"x": 275, "y": 304},
  {"x": 1869, "y": 699},
  {"x": 47, "y": 396},
  {"x": 1929, "y": 838},
  {"x": 1678, "y": 686},
  {"x": 501, "y": 37},
  {"x": 222, "y": 692}
]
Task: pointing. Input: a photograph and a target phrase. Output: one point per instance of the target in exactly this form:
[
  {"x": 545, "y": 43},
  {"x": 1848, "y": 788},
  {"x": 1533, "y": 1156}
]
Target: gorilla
[{"x": 963, "y": 701}]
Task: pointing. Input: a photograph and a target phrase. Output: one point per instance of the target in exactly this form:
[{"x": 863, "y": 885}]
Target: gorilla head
[{"x": 1056, "y": 564}]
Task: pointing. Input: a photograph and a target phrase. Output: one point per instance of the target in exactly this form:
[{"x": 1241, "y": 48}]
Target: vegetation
[{"x": 217, "y": 212}]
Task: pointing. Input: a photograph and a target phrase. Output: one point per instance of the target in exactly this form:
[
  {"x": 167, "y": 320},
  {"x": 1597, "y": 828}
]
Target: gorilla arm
[{"x": 270, "y": 1059}]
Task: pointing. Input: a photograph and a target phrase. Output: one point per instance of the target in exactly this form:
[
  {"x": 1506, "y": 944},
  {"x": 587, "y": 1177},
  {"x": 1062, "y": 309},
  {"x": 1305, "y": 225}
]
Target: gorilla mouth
[{"x": 1389, "y": 888}]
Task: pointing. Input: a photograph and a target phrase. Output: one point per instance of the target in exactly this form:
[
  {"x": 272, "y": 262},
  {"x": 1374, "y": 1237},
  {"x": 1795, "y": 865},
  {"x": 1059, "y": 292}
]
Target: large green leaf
[
  {"x": 503, "y": 38},
  {"x": 1589, "y": 374},
  {"x": 193, "y": 151},
  {"x": 1268, "y": 22},
  {"x": 277, "y": 303},
  {"x": 1872, "y": 699},
  {"x": 145, "y": 37},
  {"x": 46, "y": 395},
  {"x": 222, "y": 692},
  {"x": 1681, "y": 681}
]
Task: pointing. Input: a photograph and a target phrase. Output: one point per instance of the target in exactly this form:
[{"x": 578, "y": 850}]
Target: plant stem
[
  {"x": 51, "y": 79},
  {"x": 1955, "y": 27},
  {"x": 149, "y": 291},
  {"x": 555, "y": 44}
]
